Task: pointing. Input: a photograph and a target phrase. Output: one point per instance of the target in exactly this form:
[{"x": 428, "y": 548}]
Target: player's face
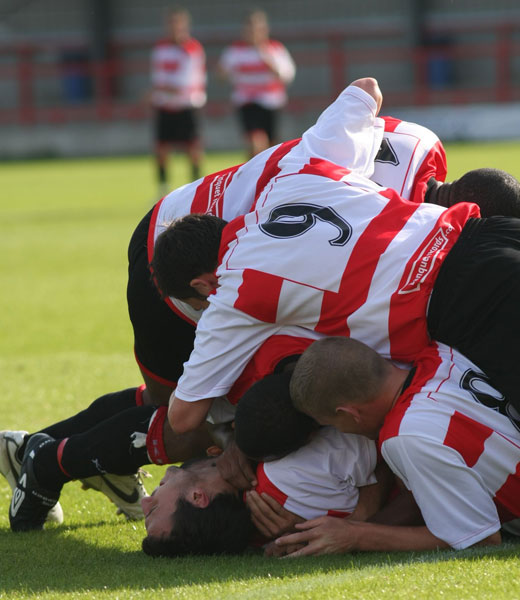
[
  {"x": 199, "y": 476},
  {"x": 360, "y": 423},
  {"x": 158, "y": 507}
]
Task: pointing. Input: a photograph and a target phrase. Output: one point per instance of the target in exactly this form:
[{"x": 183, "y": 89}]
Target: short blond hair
[{"x": 336, "y": 371}]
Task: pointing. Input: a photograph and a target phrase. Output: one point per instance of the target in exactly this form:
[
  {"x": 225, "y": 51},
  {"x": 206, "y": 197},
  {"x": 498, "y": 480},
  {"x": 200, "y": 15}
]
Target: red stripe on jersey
[
  {"x": 265, "y": 361},
  {"x": 391, "y": 123},
  {"x": 507, "y": 497},
  {"x": 209, "y": 195},
  {"x": 434, "y": 165},
  {"x": 426, "y": 370},
  {"x": 258, "y": 295},
  {"x": 420, "y": 274},
  {"x": 264, "y": 485},
  {"x": 339, "y": 514},
  {"x": 272, "y": 168},
  {"x": 324, "y": 168},
  {"x": 467, "y": 437},
  {"x": 363, "y": 261},
  {"x": 168, "y": 65},
  {"x": 256, "y": 67},
  {"x": 229, "y": 234}
]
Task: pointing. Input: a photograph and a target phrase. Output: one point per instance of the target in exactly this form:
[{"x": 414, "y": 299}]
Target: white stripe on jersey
[{"x": 325, "y": 474}]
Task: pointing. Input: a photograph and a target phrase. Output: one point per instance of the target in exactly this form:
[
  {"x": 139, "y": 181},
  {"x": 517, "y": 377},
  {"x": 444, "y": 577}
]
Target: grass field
[{"x": 65, "y": 340}]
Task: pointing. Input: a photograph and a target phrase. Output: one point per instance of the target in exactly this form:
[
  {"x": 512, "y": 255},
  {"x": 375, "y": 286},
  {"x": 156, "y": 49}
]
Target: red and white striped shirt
[
  {"x": 329, "y": 251},
  {"x": 322, "y": 477},
  {"x": 449, "y": 440},
  {"x": 252, "y": 79},
  {"x": 347, "y": 132},
  {"x": 181, "y": 67}
]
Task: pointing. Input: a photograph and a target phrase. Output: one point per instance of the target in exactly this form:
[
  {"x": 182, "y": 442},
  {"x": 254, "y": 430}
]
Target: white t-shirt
[
  {"x": 180, "y": 66},
  {"x": 321, "y": 477},
  {"x": 252, "y": 79},
  {"x": 449, "y": 440}
]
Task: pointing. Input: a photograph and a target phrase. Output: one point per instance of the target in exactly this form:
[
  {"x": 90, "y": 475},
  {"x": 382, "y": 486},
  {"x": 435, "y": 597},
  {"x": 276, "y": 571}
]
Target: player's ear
[
  {"x": 199, "y": 497},
  {"x": 351, "y": 410},
  {"x": 204, "y": 284}
]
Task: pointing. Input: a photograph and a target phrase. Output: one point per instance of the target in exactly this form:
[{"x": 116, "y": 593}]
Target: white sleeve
[
  {"x": 347, "y": 133},
  {"x": 285, "y": 65},
  {"x": 225, "y": 341},
  {"x": 455, "y": 504}
]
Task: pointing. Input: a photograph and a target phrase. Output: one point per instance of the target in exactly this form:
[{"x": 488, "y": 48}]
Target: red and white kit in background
[
  {"x": 460, "y": 457},
  {"x": 328, "y": 250},
  {"x": 321, "y": 477},
  {"x": 179, "y": 66},
  {"x": 252, "y": 79},
  {"x": 418, "y": 155}
]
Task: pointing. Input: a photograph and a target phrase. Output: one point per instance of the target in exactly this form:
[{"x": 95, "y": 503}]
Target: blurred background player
[
  {"x": 178, "y": 73},
  {"x": 259, "y": 70}
]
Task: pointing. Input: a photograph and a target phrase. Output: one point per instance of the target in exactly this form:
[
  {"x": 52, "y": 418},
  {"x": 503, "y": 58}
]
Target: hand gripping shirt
[
  {"x": 455, "y": 443},
  {"x": 322, "y": 477}
]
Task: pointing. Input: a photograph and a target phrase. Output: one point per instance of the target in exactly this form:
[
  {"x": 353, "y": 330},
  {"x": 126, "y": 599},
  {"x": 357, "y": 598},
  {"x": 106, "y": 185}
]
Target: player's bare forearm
[
  {"x": 324, "y": 536},
  {"x": 187, "y": 416},
  {"x": 373, "y": 497},
  {"x": 328, "y": 535}
]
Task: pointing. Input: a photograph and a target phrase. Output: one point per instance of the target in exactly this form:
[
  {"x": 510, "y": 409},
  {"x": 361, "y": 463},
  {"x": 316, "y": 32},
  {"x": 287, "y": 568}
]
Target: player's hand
[
  {"x": 324, "y": 535},
  {"x": 235, "y": 468},
  {"x": 270, "y": 518}
]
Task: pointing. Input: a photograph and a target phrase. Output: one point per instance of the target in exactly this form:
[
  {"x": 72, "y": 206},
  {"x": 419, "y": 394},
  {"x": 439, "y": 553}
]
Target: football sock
[
  {"x": 104, "y": 407},
  {"x": 116, "y": 445}
]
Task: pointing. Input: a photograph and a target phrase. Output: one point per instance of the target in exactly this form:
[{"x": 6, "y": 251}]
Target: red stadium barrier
[{"x": 53, "y": 82}]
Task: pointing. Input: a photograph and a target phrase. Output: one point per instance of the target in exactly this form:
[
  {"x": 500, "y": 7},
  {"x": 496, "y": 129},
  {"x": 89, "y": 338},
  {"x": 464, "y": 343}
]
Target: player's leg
[
  {"x": 118, "y": 445},
  {"x": 161, "y": 150},
  {"x": 252, "y": 122},
  {"x": 192, "y": 142},
  {"x": 474, "y": 304}
]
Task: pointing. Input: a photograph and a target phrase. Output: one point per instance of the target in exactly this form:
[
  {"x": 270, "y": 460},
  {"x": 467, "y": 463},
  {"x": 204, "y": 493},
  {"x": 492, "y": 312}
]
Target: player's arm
[
  {"x": 186, "y": 416},
  {"x": 371, "y": 87},
  {"x": 372, "y": 497},
  {"x": 327, "y": 535}
]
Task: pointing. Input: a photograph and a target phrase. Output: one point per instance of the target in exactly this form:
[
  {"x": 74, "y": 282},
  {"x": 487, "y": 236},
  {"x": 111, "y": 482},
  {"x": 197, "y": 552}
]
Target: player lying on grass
[
  {"x": 440, "y": 432},
  {"x": 192, "y": 511}
]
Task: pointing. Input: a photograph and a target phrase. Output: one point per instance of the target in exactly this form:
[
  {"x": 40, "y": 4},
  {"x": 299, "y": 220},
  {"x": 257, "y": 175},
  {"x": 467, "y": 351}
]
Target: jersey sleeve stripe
[
  {"x": 265, "y": 485},
  {"x": 467, "y": 437}
]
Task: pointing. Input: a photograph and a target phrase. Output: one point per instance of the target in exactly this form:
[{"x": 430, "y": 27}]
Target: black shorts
[
  {"x": 163, "y": 341},
  {"x": 475, "y": 304},
  {"x": 176, "y": 126},
  {"x": 254, "y": 117}
]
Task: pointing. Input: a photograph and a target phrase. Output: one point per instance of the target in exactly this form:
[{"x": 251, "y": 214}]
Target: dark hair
[
  {"x": 187, "y": 248},
  {"x": 223, "y": 527},
  {"x": 495, "y": 191},
  {"x": 267, "y": 425}
]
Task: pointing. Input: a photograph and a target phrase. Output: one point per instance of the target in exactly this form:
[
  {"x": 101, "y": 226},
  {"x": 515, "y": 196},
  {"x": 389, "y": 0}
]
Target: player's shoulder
[
  {"x": 275, "y": 44},
  {"x": 193, "y": 46}
]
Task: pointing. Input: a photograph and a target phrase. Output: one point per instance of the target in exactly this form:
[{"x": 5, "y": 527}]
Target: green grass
[{"x": 65, "y": 339}]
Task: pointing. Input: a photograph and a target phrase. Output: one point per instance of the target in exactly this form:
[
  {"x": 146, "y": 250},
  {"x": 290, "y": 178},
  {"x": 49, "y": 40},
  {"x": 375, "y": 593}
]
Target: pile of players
[{"x": 328, "y": 297}]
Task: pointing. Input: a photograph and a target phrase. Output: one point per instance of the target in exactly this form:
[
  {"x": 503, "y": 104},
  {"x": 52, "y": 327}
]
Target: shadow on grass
[{"x": 57, "y": 561}]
